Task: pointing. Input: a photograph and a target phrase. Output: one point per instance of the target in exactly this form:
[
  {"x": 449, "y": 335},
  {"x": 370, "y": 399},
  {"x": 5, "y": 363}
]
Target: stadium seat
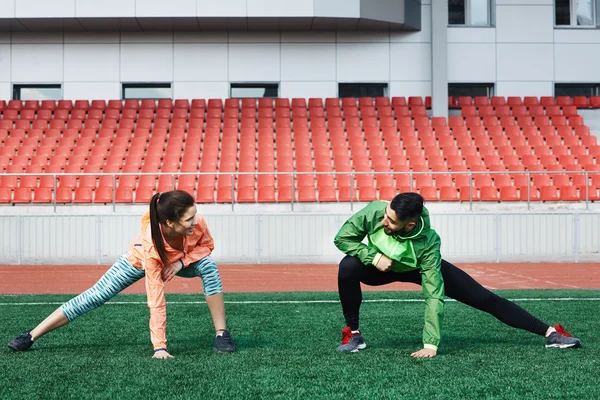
[
  {"x": 549, "y": 193},
  {"x": 42, "y": 195},
  {"x": 569, "y": 193}
]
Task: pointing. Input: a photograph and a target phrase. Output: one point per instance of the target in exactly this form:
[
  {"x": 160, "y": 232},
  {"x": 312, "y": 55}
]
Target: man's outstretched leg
[{"x": 462, "y": 287}]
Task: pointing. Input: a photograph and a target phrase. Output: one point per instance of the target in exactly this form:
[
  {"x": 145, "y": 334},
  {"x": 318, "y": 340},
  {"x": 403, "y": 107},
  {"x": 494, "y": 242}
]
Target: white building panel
[
  {"x": 337, "y": 8},
  {"x": 525, "y": 24},
  {"x": 410, "y": 61},
  {"x": 201, "y": 37},
  {"x": 200, "y": 90},
  {"x": 7, "y": 8},
  {"x": 308, "y": 37},
  {"x": 5, "y": 90},
  {"x": 308, "y": 89},
  {"x": 146, "y": 62},
  {"x": 471, "y": 62},
  {"x": 146, "y": 37},
  {"x": 523, "y": 89},
  {"x": 362, "y": 37},
  {"x": 5, "y": 64},
  {"x": 278, "y": 8},
  {"x": 254, "y": 62},
  {"x": 577, "y": 36},
  {"x": 44, "y": 9},
  {"x": 160, "y": 8},
  {"x": 577, "y": 62},
  {"x": 308, "y": 62},
  {"x": 525, "y": 62},
  {"x": 104, "y": 8},
  {"x": 32, "y": 63},
  {"x": 471, "y": 35},
  {"x": 223, "y": 8},
  {"x": 254, "y": 37},
  {"x": 196, "y": 61},
  {"x": 410, "y": 88},
  {"x": 100, "y": 90},
  {"x": 91, "y": 62},
  {"x": 364, "y": 62}
]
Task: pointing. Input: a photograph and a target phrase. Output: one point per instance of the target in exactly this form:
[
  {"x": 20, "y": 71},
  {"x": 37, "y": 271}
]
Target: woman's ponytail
[{"x": 157, "y": 237}]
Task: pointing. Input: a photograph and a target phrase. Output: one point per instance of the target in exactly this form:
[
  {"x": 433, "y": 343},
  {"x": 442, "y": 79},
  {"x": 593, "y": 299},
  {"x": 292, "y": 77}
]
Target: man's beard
[{"x": 397, "y": 232}]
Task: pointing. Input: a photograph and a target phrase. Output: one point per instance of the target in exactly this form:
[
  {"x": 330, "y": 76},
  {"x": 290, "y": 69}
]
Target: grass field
[{"x": 288, "y": 350}]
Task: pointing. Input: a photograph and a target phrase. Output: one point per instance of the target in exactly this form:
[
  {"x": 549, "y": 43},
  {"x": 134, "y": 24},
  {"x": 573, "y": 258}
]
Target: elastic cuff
[
  {"x": 430, "y": 346},
  {"x": 377, "y": 258},
  {"x": 160, "y": 349}
]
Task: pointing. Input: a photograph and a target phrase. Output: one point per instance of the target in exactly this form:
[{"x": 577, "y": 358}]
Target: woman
[{"x": 174, "y": 240}]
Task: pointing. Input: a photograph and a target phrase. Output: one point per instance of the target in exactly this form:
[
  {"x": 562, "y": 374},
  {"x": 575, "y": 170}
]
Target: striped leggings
[{"x": 122, "y": 275}]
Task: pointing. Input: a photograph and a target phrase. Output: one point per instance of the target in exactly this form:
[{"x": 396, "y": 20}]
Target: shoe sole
[
  {"x": 563, "y": 346},
  {"x": 223, "y": 351},
  {"x": 15, "y": 348},
  {"x": 359, "y": 347}
]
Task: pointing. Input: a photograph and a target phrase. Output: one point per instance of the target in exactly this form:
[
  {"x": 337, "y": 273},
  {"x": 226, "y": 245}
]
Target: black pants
[{"x": 457, "y": 284}]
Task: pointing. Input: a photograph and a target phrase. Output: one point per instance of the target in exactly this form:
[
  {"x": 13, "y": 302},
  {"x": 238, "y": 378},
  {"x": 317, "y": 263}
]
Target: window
[
  {"x": 470, "y": 89},
  {"x": 147, "y": 91},
  {"x": 362, "y": 89},
  {"x": 575, "y": 13},
  {"x": 254, "y": 90},
  {"x": 577, "y": 89},
  {"x": 37, "y": 92},
  {"x": 470, "y": 12}
]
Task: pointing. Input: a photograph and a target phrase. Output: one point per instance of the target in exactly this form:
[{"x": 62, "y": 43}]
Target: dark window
[
  {"x": 362, "y": 89},
  {"x": 563, "y": 12},
  {"x": 147, "y": 91},
  {"x": 470, "y": 89},
  {"x": 577, "y": 89},
  {"x": 456, "y": 12},
  {"x": 254, "y": 90},
  {"x": 37, "y": 92},
  {"x": 575, "y": 13}
]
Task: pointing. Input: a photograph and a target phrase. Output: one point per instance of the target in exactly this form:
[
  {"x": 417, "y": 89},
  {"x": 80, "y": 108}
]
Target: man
[{"x": 402, "y": 247}]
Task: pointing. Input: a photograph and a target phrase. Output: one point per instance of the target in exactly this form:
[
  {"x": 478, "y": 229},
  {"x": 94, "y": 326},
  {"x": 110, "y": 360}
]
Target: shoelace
[{"x": 559, "y": 328}]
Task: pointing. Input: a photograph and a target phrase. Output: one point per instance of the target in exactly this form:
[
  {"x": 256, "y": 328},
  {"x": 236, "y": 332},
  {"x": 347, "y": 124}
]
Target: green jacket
[{"x": 419, "y": 250}]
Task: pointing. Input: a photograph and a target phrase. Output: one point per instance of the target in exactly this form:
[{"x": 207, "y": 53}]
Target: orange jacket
[{"x": 142, "y": 254}]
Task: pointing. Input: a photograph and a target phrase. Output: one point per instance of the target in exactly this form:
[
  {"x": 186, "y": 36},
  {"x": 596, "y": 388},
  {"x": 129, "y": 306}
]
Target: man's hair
[{"x": 408, "y": 206}]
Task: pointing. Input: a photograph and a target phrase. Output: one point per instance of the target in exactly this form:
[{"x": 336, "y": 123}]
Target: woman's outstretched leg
[{"x": 120, "y": 276}]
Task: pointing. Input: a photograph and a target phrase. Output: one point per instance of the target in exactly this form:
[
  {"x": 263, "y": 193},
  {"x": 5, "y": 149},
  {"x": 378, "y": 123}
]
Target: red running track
[{"x": 74, "y": 279}]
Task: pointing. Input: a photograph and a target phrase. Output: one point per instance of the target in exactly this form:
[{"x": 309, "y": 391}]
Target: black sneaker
[
  {"x": 22, "y": 342},
  {"x": 224, "y": 343},
  {"x": 562, "y": 339}
]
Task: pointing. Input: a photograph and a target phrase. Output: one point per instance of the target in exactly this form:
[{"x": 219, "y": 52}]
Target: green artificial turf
[{"x": 288, "y": 351}]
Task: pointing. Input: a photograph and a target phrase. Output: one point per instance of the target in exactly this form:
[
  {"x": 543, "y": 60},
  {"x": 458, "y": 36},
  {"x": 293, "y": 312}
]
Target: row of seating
[
  {"x": 519, "y": 111},
  {"x": 577, "y": 101},
  {"x": 347, "y": 102},
  {"x": 286, "y": 194}
]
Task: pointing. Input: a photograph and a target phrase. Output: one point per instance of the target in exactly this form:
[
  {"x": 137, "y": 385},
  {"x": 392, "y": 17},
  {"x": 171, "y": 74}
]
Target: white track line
[{"x": 304, "y": 301}]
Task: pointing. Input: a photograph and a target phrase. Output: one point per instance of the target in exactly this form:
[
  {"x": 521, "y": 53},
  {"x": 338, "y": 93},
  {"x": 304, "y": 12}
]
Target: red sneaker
[
  {"x": 351, "y": 342},
  {"x": 346, "y": 335},
  {"x": 559, "y": 328}
]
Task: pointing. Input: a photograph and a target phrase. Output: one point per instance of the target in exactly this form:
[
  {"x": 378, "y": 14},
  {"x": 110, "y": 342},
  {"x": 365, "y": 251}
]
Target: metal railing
[{"x": 354, "y": 198}]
